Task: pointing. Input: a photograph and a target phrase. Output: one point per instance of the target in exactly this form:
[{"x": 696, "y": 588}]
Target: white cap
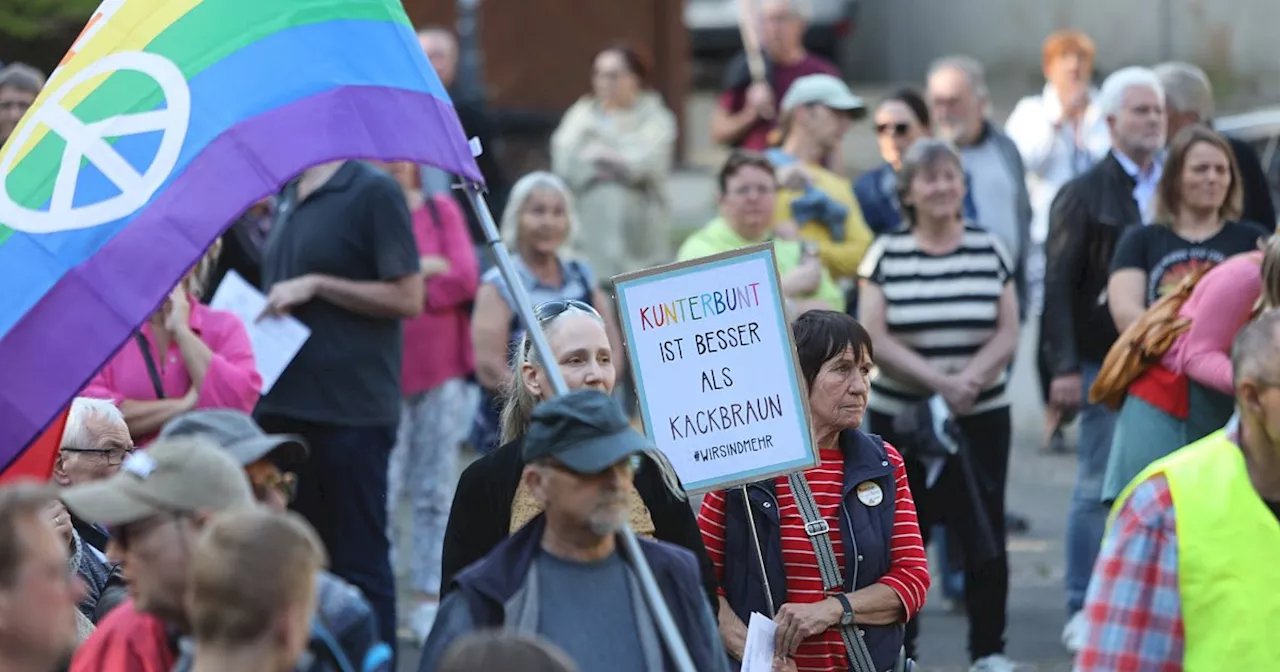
[{"x": 824, "y": 90}]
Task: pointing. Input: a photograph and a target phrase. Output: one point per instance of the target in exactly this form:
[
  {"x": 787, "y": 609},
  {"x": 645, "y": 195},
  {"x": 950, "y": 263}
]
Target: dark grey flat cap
[
  {"x": 586, "y": 431},
  {"x": 240, "y": 436}
]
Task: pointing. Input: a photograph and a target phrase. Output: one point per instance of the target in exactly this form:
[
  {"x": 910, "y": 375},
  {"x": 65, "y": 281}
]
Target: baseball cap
[
  {"x": 824, "y": 90},
  {"x": 237, "y": 433},
  {"x": 586, "y": 431},
  {"x": 174, "y": 475}
]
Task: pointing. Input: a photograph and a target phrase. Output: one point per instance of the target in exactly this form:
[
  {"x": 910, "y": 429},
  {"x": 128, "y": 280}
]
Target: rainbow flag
[{"x": 165, "y": 121}]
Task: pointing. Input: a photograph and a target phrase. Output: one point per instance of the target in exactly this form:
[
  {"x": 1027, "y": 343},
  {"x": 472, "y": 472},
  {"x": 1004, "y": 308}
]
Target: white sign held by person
[{"x": 716, "y": 369}]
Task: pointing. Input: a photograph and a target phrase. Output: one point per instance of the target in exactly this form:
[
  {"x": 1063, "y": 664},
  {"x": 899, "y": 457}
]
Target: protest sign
[{"x": 715, "y": 368}]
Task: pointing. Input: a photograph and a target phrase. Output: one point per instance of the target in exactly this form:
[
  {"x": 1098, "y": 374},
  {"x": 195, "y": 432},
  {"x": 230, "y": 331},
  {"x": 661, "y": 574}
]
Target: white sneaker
[
  {"x": 993, "y": 663},
  {"x": 1075, "y": 632}
]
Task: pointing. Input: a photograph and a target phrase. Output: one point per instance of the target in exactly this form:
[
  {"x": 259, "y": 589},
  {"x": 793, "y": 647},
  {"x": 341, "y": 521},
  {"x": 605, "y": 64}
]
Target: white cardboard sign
[{"x": 716, "y": 369}]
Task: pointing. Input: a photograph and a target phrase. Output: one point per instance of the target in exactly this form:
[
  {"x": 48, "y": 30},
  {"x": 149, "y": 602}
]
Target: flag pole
[{"x": 524, "y": 308}]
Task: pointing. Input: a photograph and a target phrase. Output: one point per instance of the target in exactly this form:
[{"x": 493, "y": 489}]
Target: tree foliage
[{"x": 33, "y": 19}]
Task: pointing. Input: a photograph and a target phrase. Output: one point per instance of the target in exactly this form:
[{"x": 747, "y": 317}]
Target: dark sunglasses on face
[
  {"x": 552, "y": 309},
  {"x": 286, "y": 484},
  {"x": 898, "y": 130}
]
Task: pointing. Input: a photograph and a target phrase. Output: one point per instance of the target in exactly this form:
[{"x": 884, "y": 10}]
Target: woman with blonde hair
[
  {"x": 492, "y": 502},
  {"x": 538, "y": 226},
  {"x": 185, "y": 356},
  {"x": 1198, "y": 205},
  {"x": 1189, "y": 394}
]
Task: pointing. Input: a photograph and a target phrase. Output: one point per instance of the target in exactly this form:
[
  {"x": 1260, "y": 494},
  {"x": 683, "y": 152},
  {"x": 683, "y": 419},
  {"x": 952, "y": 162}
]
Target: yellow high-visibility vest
[{"x": 1228, "y": 557}]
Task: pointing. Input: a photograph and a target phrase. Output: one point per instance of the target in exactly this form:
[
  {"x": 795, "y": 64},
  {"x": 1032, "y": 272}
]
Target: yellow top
[{"x": 839, "y": 257}]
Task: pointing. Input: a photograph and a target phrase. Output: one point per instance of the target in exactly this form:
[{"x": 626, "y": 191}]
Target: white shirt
[
  {"x": 1144, "y": 187},
  {"x": 1053, "y": 155}
]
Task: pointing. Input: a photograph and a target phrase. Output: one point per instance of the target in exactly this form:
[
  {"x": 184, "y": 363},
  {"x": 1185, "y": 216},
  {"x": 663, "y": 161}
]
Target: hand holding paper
[
  {"x": 757, "y": 655},
  {"x": 275, "y": 340}
]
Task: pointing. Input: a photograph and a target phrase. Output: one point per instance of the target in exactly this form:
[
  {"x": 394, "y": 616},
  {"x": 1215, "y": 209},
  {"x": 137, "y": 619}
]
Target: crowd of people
[{"x": 209, "y": 524}]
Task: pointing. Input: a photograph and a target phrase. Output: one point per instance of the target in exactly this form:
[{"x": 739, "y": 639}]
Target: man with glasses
[
  {"x": 19, "y": 86},
  {"x": 94, "y": 443},
  {"x": 562, "y": 577},
  {"x": 343, "y": 616},
  {"x": 153, "y": 507}
]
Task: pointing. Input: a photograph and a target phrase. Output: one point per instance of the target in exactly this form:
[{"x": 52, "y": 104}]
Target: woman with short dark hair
[
  {"x": 857, "y": 496},
  {"x": 939, "y": 301}
]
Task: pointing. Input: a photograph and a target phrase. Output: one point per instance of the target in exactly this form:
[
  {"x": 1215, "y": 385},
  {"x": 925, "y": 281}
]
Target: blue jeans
[
  {"x": 1087, "y": 518},
  {"x": 342, "y": 492}
]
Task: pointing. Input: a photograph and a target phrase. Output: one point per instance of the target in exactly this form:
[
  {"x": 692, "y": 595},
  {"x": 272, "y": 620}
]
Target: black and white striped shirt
[{"x": 944, "y": 307}]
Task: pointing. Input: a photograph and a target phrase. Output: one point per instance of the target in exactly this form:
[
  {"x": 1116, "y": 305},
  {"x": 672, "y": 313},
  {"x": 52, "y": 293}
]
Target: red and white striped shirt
[{"x": 908, "y": 574}]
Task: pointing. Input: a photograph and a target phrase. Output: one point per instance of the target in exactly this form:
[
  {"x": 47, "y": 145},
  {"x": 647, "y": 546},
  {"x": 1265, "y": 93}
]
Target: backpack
[{"x": 1144, "y": 343}]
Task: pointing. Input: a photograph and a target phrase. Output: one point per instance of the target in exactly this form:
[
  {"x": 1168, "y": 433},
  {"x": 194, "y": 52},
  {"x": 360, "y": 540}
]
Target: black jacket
[
  {"x": 1085, "y": 222},
  {"x": 481, "y": 515},
  {"x": 1257, "y": 192}
]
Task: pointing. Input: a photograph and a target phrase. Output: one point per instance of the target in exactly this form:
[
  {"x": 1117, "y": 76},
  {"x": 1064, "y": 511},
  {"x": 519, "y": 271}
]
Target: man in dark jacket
[
  {"x": 441, "y": 48},
  {"x": 564, "y": 577},
  {"x": 1189, "y": 100},
  {"x": 1085, "y": 222}
]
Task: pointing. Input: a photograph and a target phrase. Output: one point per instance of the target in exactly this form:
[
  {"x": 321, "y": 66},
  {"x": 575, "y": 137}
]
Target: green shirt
[{"x": 717, "y": 237}]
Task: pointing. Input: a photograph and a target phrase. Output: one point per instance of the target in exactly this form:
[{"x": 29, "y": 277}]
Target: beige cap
[{"x": 178, "y": 475}]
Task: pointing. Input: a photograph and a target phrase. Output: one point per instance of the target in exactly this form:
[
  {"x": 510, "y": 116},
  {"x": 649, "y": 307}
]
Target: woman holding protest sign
[
  {"x": 537, "y": 226},
  {"x": 880, "y": 574},
  {"x": 938, "y": 300},
  {"x": 491, "y": 502}
]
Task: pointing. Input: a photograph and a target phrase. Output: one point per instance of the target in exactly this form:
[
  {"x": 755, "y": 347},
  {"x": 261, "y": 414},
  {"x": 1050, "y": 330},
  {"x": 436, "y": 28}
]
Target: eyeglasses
[
  {"x": 286, "y": 484},
  {"x": 550, "y": 310},
  {"x": 897, "y": 130},
  {"x": 749, "y": 190},
  {"x": 114, "y": 456}
]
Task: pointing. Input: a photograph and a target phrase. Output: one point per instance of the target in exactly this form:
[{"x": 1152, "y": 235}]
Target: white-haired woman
[
  {"x": 537, "y": 226},
  {"x": 491, "y": 502},
  {"x": 185, "y": 356}
]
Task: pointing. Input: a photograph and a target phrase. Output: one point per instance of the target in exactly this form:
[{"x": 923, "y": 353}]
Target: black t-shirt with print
[{"x": 1166, "y": 258}]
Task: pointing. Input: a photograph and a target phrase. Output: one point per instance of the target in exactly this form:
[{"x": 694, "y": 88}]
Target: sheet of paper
[
  {"x": 757, "y": 655},
  {"x": 275, "y": 340}
]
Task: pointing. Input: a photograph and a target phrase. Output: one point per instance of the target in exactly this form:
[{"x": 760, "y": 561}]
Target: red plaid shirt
[{"x": 1133, "y": 608}]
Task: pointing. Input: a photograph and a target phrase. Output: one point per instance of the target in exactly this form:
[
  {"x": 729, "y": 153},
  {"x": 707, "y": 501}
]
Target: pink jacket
[
  {"x": 231, "y": 382},
  {"x": 1219, "y": 306},
  {"x": 437, "y": 343}
]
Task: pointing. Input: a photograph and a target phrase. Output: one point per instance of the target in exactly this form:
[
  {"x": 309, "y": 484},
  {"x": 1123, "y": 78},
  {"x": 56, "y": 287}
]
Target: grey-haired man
[{"x": 563, "y": 577}]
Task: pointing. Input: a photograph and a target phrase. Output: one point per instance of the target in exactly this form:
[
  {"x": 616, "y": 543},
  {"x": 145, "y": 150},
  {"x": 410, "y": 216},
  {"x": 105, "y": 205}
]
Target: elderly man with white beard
[{"x": 564, "y": 577}]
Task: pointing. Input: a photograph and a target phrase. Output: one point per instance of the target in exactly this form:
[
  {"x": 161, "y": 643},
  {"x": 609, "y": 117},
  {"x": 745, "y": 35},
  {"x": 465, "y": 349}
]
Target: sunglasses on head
[
  {"x": 897, "y": 130},
  {"x": 553, "y": 309}
]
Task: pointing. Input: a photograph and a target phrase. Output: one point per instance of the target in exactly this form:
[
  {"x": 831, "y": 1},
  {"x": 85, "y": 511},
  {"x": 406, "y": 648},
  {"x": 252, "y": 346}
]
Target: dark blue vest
[{"x": 865, "y": 534}]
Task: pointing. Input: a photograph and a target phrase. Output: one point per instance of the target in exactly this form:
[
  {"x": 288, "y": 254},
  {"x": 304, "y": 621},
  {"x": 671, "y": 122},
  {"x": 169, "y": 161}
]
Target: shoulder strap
[
  {"x": 145, "y": 347},
  {"x": 819, "y": 532},
  {"x": 433, "y": 209}
]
